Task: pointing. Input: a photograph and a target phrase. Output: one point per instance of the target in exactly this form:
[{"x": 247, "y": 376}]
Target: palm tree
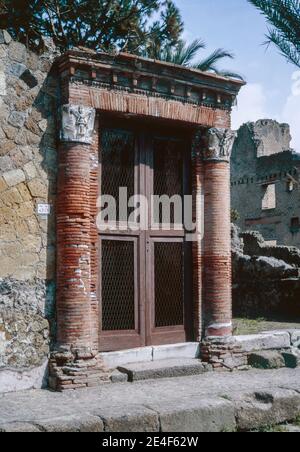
[
  {"x": 184, "y": 54},
  {"x": 284, "y": 16}
]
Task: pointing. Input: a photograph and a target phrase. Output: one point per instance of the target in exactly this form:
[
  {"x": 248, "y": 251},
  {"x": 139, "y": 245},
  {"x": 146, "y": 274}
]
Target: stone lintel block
[
  {"x": 116, "y": 359},
  {"x": 186, "y": 350}
]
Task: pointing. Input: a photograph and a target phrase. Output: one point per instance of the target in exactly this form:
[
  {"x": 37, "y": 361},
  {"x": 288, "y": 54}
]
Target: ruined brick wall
[
  {"x": 266, "y": 279},
  {"x": 262, "y": 158},
  {"x": 28, "y": 100}
]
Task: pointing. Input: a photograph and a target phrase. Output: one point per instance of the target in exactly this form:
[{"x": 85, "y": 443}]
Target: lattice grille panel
[
  {"x": 169, "y": 284},
  {"x": 168, "y": 173},
  {"x": 118, "y": 285},
  {"x": 118, "y": 165}
]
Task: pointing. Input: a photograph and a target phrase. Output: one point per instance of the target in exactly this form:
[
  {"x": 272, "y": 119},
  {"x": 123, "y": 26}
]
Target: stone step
[
  {"x": 186, "y": 350},
  {"x": 168, "y": 368}
]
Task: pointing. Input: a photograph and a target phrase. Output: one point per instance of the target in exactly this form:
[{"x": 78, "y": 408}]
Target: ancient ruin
[
  {"x": 67, "y": 291},
  {"x": 265, "y": 182}
]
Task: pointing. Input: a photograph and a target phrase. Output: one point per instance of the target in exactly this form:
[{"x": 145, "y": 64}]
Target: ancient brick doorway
[{"x": 145, "y": 286}]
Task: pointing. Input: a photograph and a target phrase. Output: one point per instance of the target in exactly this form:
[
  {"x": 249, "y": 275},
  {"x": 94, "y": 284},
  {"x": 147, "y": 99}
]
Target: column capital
[
  {"x": 77, "y": 123},
  {"x": 197, "y": 143},
  {"x": 218, "y": 144}
]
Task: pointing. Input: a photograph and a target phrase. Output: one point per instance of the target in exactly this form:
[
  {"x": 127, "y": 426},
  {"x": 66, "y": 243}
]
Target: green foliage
[
  {"x": 150, "y": 28},
  {"x": 107, "y": 25},
  {"x": 284, "y": 17},
  {"x": 184, "y": 54}
]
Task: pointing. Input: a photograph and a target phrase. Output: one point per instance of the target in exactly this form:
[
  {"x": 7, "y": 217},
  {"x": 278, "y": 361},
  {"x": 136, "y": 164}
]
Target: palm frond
[
  {"x": 207, "y": 63},
  {"x": 229, "y": 74},
  {"x": 184, "y": 54},
  {"x": 284, "y": 16},
  {"x": 289, "y": 51}
]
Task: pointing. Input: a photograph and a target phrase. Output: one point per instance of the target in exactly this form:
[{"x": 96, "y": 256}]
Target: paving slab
[
  {"x": 167, "y": 368},
  {"x": 195, "y": 403},
  {"x": 266, "y": 408},
  {"x": 202, "y": 414}
]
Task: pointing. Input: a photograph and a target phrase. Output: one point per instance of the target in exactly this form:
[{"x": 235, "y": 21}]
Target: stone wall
[
  {"x": 262, "y": 158},
  {"x": 28, "y": 100},
  {"x": 266, "y": 279}
]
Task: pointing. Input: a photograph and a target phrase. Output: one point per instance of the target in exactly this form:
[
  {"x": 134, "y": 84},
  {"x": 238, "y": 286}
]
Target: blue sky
[{"x": 272, "y": 89}]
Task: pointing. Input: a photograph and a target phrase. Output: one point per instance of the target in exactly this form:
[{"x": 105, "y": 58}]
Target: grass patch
[
  {"x": 271, "y": 429},
  {"x": 297, "y": 421},
  {"x": 244, "y": 326}
]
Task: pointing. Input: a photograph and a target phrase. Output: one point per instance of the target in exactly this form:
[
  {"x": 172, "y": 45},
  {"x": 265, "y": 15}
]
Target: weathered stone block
[
  {"x": 3, "y": 184},
  {"x": 267, "y": 408},
  {"x": 84, "y": 423},
  {"x": 295, "y": 338},
  {"x": 266, "y": 360},
  {"x": 267, "y": 341},
  {"x": 29, "y": 78},
  {"x": 14, "y": 177},
  {"x": 129, "y": 419},
  {"x": 10, "y": 197},
  {"x": 17, "y": 51},
  {"x": 115, "y": 359},
  {"x": 203, "y": 415},
  {"x": 2, "y": 84},
  {"x": 186, "y": 350},
  {"x": 37, "y": 188},
  {"x": 19, "y": 427},
  {"x": 118, "y": 377},
  {"x": 17, "y": 119},
  {"x": 6, "y": 163},
  {"x": 291, "y": 359},
  {"x": 6, "y": 146},
  {"x": 16, "y": 69},
  {"x": 5, "y": 37}
]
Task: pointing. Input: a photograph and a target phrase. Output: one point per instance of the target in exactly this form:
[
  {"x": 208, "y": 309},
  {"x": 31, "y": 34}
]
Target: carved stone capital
[
  {"x": 218, "y": 144},
  {"x": 77, "y": 124},
  {"x": 197, "y": 143}
]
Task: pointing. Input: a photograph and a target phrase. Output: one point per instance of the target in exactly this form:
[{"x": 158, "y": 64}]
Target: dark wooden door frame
[{"x": 145, "y": 332}]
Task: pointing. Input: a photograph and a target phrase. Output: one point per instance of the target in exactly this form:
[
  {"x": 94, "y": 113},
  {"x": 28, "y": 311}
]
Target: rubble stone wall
[
  {"x": 29, "y": 94},
  {"x": 262, "y": 158},
  {"x": 266, "y": 279}
]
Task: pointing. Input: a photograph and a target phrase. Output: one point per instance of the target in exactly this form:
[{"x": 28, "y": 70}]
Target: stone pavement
[{"x": 212, "y": 402}]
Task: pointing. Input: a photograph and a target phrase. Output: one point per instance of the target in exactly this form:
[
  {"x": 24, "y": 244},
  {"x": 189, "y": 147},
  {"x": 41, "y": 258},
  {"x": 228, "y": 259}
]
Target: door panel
[
  {"x": 119, "y": 285},
  {"x": 168, "y": 285},
  {"x": 120, "y": 296},
  {"x": 144, "y": 288}
]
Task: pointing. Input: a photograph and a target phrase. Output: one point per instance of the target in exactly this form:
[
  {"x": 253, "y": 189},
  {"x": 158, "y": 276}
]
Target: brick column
[
  {"x": 73, "y": 246},
  {"x": 197, "y": 246},
  {"x": 74, "y": 363},
  {"x": 217, "y": 242}
]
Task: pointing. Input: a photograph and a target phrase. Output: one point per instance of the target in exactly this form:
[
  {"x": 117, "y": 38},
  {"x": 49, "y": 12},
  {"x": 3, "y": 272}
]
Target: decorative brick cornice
[
  {"x": 129, "y": 73},
  {"x": 77, "y": 124},
  {"x": 218, "y": 144}
]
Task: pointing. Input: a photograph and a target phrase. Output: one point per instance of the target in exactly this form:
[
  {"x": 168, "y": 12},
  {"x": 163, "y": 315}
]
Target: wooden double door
[{"x": 145, "y": 265}]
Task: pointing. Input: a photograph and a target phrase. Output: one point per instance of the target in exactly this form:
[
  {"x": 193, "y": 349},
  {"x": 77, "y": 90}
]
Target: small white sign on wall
[{"x": 43, "y": 209}]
